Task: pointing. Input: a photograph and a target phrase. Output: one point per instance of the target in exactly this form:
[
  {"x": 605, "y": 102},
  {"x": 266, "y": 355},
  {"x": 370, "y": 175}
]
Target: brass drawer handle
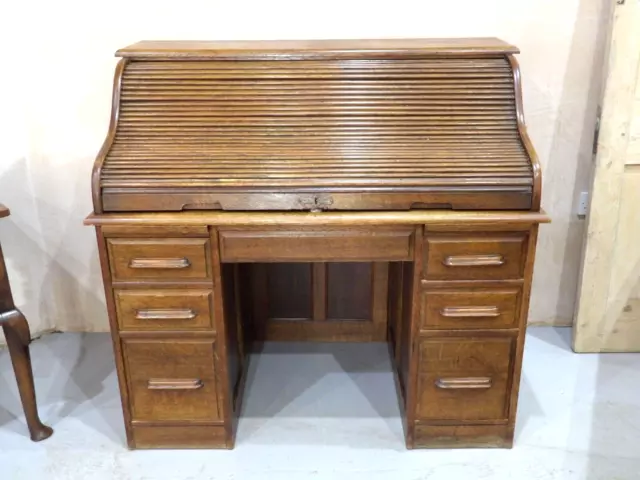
[
  {"x": 166, "y": 314},
  {"x": 178, "y": 384},
  {"x": 469, "y": 382},
  {"x": 470, "y": 312},
  {"x": 474, "y": 261},
  {"x": 159, "y": 263}
]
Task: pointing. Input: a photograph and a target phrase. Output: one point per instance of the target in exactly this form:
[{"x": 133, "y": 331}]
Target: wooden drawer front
[
  {"x": 164, "y": 309},
  {"x": 477, "y": 308},
  {"x": 159, "y": 259},
  {"x": 171, "y": 380},
  {"x": 475, "y": 257},
  {"x": 296, "y": 245},
  {"x": 465, "y": 379}
]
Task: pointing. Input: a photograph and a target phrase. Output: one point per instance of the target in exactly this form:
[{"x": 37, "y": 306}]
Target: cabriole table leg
[{"x": 16, "y": 331}]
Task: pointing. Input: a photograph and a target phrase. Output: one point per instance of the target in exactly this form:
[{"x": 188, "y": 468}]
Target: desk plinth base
[{"x": 462, "y": 436}]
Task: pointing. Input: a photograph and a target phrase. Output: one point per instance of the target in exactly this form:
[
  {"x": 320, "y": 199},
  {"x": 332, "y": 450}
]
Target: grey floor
[{"x": 328, "y": 411}]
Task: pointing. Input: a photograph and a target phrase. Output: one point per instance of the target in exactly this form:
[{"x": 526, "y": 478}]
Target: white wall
[{"x": 56, "y": 85}]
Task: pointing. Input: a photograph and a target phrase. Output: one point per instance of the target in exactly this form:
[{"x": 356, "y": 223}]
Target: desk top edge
[
  {"x": 413, "y": 217},
  {"x": 283, "y": 49}
]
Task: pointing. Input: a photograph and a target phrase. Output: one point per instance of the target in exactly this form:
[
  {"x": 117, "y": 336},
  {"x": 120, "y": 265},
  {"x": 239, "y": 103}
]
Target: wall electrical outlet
[{"x": 583, "y": 204}]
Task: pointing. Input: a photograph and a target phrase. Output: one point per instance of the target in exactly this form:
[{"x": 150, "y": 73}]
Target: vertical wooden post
[
  {"x": 380, "y": 297},
  {"x": 319, "y": 291}
]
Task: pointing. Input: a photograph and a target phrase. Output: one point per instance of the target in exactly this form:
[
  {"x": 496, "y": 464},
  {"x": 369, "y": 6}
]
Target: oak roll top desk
[{"x": 357, "y": 190}]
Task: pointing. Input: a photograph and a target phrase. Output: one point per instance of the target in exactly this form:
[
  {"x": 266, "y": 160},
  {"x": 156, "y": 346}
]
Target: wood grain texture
[
  {"x": 281, "y": 245},
  {"x": 179, "y": 436},
  {"x": 495, "y": 413},
  {"x": 287, "y": 298},
  {"x": 380, "y": 294},
  {"x": 409, "y": 156},
  {"x": 103, "y": 253},
  {"x": 522, "y": 325},
  {"x": 394, "y": 311},
  {"x": 340, "y": 331},
  {"x": 481, "y": 256},
  {"x": 445, "y": 361},
  {"x": 108, "y": 142},
  {"x": 320, "y": 302},
  {"x": 466, "y": 308},
  {"x": 226, "y": 347},
  {"x": 159, "y": 259},
  {"x": 235, "y": 321},
  {"x": 487, "y": 360},
  {"x": 431, "y": 217},
  {"x": 6, "y": 297},
  {"x": 236, "y": 359},
  {"x": 346, "y": 199},
  {"x": 524, "y": 136},
  {"x": 409, "y": 360},
  {"x": 148, "y": 361},
  {"x": 18, "y": 337},
  {"x": 323, "y": 125},
  {"x": 290, "y": 292},
  {"x": 606, "y": 318},
  {"x": 164, "y": 309},
  {"x": 269, "y": 49},
  {"x": 463, "y": 436},
  {"x": 155, "y": 231}
]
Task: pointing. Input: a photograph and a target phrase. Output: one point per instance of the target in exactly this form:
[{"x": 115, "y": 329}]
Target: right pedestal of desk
[{"x": 457, "y": 320}]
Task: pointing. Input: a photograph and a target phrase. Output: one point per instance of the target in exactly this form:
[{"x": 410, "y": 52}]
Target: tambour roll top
[{"x": 321, "y": 125}]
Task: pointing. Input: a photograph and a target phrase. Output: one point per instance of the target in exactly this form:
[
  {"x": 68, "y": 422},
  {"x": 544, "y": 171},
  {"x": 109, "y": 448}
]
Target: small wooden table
[{"x": 16, "y": 331}]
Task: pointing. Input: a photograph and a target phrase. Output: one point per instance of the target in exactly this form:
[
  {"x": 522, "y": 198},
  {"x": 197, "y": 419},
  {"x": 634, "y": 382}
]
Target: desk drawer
[
  {"x": 475, "y": 256},
  {"x": 465, "y": 379},
  {"x": 470, "y": 308},
  {"x": 164, "y": 309},
  {"x": 171, "y": 380},
  {"x": 307, "y": 245},
  {"x": 159, "y": 259}
]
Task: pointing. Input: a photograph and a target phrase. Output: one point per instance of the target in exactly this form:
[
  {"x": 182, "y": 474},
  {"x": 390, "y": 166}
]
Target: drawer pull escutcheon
[
  {"x": 458, "y": 383},
  {"x": 179, "y": 384},
  {"x": 168, "y": 314},
  {"x": 467, "y": 312},
  {"x": 474, "y": 261},
  {"x": 159, "y": 263}
]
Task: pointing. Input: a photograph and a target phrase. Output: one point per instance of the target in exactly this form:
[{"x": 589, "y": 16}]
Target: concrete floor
[{"x": 328, "y": 411}]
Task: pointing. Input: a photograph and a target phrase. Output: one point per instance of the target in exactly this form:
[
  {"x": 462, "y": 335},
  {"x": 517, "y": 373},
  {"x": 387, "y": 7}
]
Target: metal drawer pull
[
  {"x": 166, "y": 314},
  {"x": 159, "y": 263},
  {"x": 474, "y": 261},
  {"x": 467, "y": 312},
  {"x": 470, "y": 382},
  {"x": 178, "y": 384}
]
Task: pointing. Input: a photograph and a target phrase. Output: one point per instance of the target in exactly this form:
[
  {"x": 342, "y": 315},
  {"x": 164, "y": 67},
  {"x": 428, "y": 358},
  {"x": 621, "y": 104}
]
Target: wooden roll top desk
[{"x": 362, "y": 190}]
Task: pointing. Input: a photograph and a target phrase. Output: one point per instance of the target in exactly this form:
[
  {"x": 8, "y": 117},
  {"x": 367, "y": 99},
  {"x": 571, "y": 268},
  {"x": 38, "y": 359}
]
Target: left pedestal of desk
[{"x": 178, "y": 350}]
